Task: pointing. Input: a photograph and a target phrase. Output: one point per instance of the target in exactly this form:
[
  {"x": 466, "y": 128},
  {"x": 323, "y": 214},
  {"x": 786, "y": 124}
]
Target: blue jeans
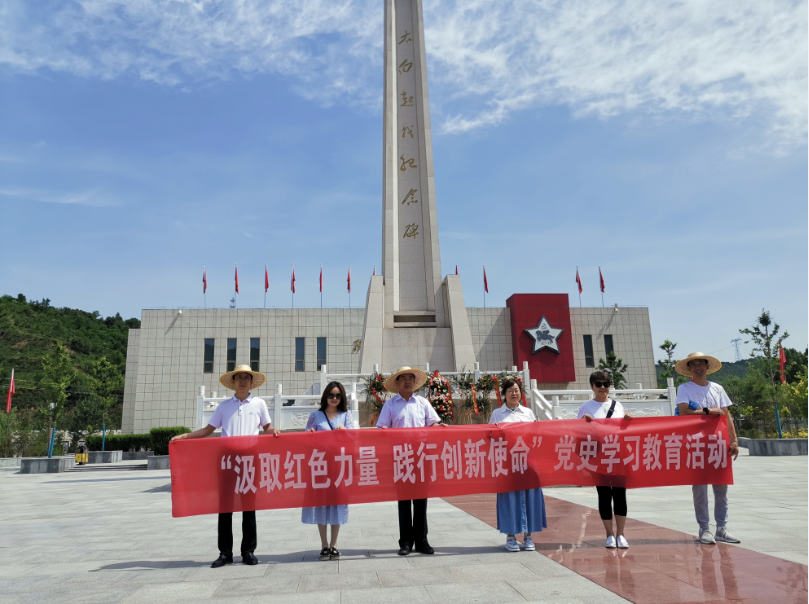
[{"x": 720, "y": 510}]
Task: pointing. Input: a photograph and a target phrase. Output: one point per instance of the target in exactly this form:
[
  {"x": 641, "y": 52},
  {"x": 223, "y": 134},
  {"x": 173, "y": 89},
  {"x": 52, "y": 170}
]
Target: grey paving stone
[
  {"x": 343, "y": 581},
  {"x": 259, "y": 586},
  {"x": 422, "y": 576},
  {"x": 149, "y": 594},
  {"x": 413, "y": 594},
  {"x": 229, "y": 571},
  {"x": 483, "y": 592},
  {"x": 493, "y": 573},
  {"x": 565, "y": 588},
  {"x": 442, "y": 559},
  {"x": 374, "y": 564}
]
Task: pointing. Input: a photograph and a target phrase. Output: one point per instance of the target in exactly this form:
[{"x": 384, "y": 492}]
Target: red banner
[{"x": 359, "y": 466}]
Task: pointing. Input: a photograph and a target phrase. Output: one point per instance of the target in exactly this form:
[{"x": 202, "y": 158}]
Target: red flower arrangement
[{"x": 440, "y": 395}]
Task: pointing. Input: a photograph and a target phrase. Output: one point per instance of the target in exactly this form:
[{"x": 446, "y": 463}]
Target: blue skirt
[
  {"x": 327, "y": 514},
  {"x": 521, "y": 512}
]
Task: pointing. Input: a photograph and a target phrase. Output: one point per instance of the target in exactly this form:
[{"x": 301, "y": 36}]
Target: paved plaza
[{"x": 108, "y": 536}]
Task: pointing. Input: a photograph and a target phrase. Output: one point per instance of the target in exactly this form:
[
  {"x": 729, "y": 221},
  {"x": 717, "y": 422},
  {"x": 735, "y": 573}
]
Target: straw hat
[
  {"x": 421, "y": 379},
  {"x": 681, "y": 367},
  {"x": 227, "y": 379}
]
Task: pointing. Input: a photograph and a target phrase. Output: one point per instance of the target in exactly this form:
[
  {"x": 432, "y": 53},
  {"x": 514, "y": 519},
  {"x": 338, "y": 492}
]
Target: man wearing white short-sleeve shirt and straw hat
[
  {"x": 698, "y": 397},
  {"x": 407, "y": 410},
  {"x": 241, "y": 415}
]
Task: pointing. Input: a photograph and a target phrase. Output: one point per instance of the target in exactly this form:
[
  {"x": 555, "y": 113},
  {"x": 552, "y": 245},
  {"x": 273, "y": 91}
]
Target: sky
[{"x": 666, "y": 143}]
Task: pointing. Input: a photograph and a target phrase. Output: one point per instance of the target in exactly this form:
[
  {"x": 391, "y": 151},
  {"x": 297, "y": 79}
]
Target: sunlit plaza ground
[{"x": 108, "y": 536}]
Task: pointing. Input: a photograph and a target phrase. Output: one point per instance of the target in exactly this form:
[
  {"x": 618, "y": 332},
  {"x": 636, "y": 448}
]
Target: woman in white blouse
[
  {"x": 518, "y": 511},
  {"x": 602, "y": 407}
]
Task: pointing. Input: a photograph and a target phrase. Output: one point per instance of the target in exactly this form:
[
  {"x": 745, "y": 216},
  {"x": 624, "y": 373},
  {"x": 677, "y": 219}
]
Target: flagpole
[
  {"x": 484, "y": 286},
  {"x": 600, "y": 287},
  {"x": 8, "y": 415},
  {"x": 349, "y": 287},
  {"x": 321, "y": 287},
  {"x": 205, "y": 289},
  {"x": 578, "y": 285},
  {"x": 293, "y": 287}
]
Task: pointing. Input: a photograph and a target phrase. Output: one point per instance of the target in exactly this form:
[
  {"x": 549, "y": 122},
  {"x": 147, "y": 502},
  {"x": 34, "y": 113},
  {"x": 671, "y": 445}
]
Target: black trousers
[
  {"x": 412, "y": 527},
  {"x": 609, "y": 496},
  {"x": 249, "y": 537}
]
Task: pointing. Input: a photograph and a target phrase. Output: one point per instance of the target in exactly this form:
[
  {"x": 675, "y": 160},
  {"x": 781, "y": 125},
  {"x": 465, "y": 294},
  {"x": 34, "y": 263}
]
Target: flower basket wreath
[{"x": 440, "y": 395}]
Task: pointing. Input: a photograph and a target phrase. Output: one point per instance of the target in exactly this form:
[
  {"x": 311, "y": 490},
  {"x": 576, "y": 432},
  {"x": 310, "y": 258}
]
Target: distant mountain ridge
[{"x": 737, "y": 368}]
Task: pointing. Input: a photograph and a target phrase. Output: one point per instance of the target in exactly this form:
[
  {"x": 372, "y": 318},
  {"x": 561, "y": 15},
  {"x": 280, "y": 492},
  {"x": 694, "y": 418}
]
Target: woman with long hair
[
  {"x": 332, "y": 415},
  {"x": 518, "y": 511}
]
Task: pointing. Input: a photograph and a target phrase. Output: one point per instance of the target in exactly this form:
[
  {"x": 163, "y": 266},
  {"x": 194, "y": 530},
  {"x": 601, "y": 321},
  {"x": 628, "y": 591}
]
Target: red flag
[
  {"x": 456, "y": 269},
  {"x": 578, "y": 280},
  {"x": 266, "y": 279},
  {"x": 204, "y": 279},
  {"x": 485, "y": 281},
  {"x": 321, "y": 278},
  {"x": 11, "y": 393},
  {"x": 782, "y": 362},
  {"x": 374, "y": 270},
  {"x": 349, "y": 279},
  {"x": 237, "y": 279},
  {"x": 293, "y": 279},
  {"x": 601, "y": 278}
]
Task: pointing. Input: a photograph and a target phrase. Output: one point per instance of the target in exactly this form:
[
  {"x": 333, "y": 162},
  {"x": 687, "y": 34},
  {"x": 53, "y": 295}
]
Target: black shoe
[
  {"x": 222, "y": 560},
  {"x": 404, "y": 550},
  {"x": 334, "y": 553},
  {"x": 424, "y": 548},
  {"x": 249, "y": 559},
  {"x": 325, "y": 554}
]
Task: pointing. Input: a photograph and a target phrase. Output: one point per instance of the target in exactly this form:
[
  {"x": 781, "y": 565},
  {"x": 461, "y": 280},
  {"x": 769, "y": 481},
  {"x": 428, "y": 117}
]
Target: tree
[
  {"x": 59, "y": 375},
  {"x": 765, "y": 341},
  {"x": 667, "y": 365},
  {"x": 795, "y": 365},
  {"x": 614, "y": 367},
  {"x": 106, "y": 381}
]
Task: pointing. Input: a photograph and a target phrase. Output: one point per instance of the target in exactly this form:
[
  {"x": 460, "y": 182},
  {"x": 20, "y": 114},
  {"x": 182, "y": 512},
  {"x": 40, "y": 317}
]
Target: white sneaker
[
  {"x": 511, "y": 544},
  {"x": 529, "y": 543},
  {"x": 706, "y": 537},
  {"x": 622, "y": 542},
  {"x": 610, "y": 542},
  {"x": 723, "y": 535}
]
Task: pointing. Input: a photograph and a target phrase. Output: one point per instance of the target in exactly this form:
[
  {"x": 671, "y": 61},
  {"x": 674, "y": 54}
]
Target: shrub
[
  {"x": 119, "y": 442},
  {"x": 160, "y": 438}
]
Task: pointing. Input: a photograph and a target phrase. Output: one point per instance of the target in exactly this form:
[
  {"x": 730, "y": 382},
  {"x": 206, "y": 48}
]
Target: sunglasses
[
  {"x": 602, "y": 384},
  {"x": 331, "y": 395}
]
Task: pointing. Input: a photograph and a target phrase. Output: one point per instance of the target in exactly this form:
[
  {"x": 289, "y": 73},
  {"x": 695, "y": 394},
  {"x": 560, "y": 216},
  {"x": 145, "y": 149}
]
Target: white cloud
[
  {"x": 92, "y": 198},
  {"x": 718, "y": 60}
]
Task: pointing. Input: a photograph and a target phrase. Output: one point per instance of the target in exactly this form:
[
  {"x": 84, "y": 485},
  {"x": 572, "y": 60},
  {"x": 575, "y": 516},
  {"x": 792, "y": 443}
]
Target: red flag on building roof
[
  {"x": 578, "y": 280},
  {"x": 349, "y": 279},
  {"x": 456, "y": 269},
  {"x": 374, "y": 270},
  {"x": 601, "y": 278},
  {"x": 237, "y": 279},
  {"x": 782, "y": 362},
  {"x": 266, "y": 279},
  {"x": 485, "y": 281},
  {"x": 204, "y": 279},
  {"x": 11, "y": 393},
  {"x": 293, "y": 279}
]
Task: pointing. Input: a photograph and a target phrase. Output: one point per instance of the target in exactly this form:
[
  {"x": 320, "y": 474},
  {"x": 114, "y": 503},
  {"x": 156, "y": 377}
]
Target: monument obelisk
[{"x": 412, "y": 315}]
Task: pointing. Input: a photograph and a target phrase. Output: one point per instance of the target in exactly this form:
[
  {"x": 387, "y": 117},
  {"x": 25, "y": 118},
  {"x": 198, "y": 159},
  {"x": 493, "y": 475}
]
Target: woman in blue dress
[
  {"x": 518, "y": 511},
  {"x": 333, "y": 415}
]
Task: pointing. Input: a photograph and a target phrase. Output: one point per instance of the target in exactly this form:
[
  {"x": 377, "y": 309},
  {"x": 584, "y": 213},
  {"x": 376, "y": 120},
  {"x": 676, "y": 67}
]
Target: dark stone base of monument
[
  {"x": 10, "y": 462},
  {"x": 774, "y": 446},
  {"x": 103, "y": 456},
  {"x": 157, "y": 462},
  {"x": 43, "y": 465},
  {"x": 136, "y": 455}
]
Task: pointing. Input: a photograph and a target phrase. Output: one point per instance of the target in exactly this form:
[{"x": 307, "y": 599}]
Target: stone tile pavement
[
  {"x": 768, "y": 505},
  {"x": 109, "y": 537}
]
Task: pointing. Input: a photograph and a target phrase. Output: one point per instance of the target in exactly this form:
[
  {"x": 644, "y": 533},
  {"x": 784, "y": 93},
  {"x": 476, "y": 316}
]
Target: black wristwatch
[{"x": 705, "y": 411}]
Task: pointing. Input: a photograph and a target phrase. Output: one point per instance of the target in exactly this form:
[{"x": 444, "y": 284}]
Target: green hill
[
  {"x": 29, "y": 331},
  {"x": 737, "y": 368}
]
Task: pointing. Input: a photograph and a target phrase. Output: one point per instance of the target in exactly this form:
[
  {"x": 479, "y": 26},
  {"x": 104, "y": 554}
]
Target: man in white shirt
[
  {"x": 701, "y": 397},
  {"x": 241, "y": 415},
  {"x": 406, "y": 410}
]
